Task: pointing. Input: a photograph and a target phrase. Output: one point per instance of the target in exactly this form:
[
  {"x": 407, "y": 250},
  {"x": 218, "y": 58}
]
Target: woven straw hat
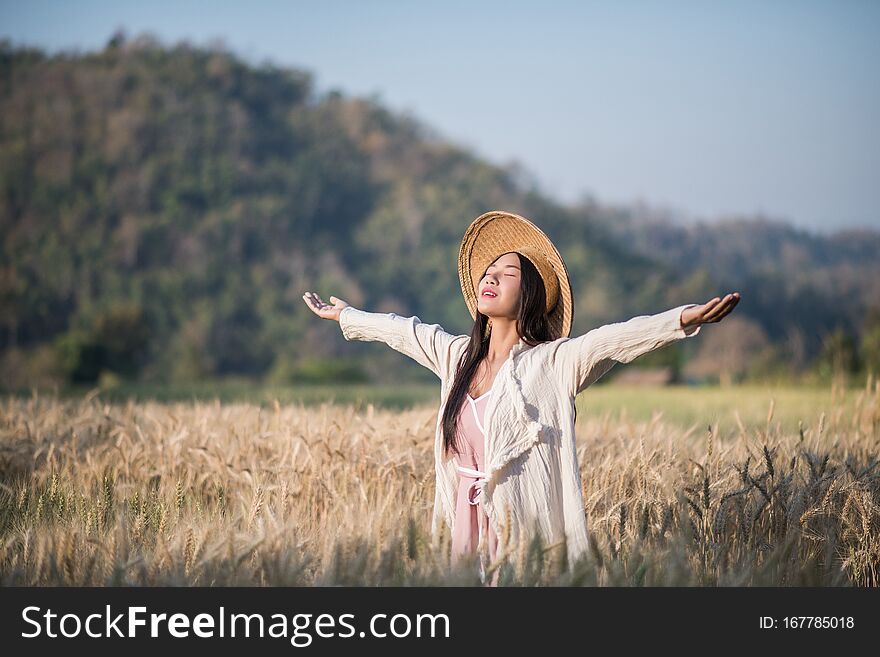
[{"x": 495, "y": 233}]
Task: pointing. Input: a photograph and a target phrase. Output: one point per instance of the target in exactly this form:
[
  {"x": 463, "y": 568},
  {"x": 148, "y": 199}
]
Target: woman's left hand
[{"x": 713, "y": 311}]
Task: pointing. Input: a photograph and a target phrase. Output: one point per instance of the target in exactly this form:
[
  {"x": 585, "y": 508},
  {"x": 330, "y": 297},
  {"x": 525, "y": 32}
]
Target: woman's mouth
[{"x": 488, "y": 294}]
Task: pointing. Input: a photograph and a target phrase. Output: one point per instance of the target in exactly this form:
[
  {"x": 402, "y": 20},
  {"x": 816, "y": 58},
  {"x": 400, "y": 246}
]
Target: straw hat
[{"x": 495, "y": 233}]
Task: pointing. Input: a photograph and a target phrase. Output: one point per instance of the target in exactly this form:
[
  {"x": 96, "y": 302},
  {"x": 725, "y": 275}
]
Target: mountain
[
  {"x": 163, "y": 208},
  {"x": 793, "y": 277}
]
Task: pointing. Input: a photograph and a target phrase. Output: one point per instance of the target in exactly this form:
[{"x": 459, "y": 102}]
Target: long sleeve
[
  {"x": 427, "y": 344},
  {"x": 582, "y": 360}
]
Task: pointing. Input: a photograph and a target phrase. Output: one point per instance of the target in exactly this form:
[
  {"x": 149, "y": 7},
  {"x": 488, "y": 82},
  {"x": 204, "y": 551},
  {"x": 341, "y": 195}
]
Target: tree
[
  {"x": 869, "y": 347},
  {"x": 838, "y": 358},
  {"x": 730, "y": 350}
]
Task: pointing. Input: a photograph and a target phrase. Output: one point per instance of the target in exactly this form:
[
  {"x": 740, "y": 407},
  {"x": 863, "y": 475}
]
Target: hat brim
[{"x": 498, "y": 232}]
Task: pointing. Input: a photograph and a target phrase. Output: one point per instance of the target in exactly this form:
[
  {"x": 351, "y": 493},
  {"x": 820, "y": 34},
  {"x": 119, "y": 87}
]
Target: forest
[{"x": 164, "y": 207}]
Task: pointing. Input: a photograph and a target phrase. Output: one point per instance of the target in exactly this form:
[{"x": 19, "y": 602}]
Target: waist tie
[{"x": 472, "y": 492}]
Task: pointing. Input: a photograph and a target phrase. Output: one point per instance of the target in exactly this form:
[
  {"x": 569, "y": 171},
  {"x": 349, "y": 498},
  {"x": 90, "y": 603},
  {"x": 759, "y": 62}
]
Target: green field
[{"x": 682, "y": 406}]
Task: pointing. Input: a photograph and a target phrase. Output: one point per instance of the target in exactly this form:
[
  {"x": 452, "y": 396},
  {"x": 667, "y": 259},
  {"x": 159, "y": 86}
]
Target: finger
[
  {"x": 733, "y": 299},
  {"x": 709, "y": 305},
  {"x": 720, "y": 309},
  {"x": 715, "y": 311},
  {"x": 730, "y": 306},
  {"x": 723, "y": 314},
  {"x": 315, "y": 301},
  {"x": 707, "y": 308}
]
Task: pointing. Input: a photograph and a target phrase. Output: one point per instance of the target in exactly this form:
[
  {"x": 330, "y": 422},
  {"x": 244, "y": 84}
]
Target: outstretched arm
[
  {"x": 427, "y": 344},
  {"x": 581, "y": 361}
]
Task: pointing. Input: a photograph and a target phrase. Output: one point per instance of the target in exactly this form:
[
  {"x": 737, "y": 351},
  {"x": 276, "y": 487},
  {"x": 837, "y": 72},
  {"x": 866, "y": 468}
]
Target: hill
[{"x": 162, "y": 209}]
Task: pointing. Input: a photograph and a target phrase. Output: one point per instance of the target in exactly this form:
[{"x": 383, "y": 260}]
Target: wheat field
[{"x": 207, "y": 494}]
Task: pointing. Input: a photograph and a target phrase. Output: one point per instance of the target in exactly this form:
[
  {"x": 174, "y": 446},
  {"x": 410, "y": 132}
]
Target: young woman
[{"x": 504, "y": 448}]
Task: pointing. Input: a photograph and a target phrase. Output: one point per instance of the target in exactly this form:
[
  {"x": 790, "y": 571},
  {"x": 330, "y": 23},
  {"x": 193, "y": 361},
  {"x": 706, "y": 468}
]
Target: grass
[
  {"x": 716, "y": 487},
  {"x": 234, "y": 391}
]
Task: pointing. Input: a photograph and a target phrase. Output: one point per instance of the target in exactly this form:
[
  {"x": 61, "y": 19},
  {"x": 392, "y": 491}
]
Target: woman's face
[{"x": 503, "y": 278}]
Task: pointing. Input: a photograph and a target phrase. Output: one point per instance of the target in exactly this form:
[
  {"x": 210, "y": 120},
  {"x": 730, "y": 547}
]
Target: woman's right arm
[{"x": 427, "y": 344}]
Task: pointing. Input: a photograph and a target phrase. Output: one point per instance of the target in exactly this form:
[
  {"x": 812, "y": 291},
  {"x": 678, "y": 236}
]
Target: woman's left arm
[{"x": 581, "y": 361}]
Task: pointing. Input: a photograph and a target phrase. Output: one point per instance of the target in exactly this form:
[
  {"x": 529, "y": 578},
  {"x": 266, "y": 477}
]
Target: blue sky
[{"x": 703, "y": 109}]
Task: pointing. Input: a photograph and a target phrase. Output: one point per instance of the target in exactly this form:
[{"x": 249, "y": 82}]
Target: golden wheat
[{"x": 235, "y": 494}]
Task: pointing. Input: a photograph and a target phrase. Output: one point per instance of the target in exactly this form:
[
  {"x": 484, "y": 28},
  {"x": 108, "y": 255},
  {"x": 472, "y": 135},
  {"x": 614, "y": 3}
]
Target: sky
[{"x": 698, "y": 110}]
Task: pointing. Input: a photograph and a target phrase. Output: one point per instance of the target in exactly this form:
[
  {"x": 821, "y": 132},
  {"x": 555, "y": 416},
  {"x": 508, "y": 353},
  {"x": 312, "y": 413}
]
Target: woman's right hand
[{"x": 322, "y": 309}]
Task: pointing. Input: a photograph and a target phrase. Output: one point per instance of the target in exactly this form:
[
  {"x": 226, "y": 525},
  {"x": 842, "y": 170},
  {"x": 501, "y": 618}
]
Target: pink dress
[{"x": 468, "y": 511}]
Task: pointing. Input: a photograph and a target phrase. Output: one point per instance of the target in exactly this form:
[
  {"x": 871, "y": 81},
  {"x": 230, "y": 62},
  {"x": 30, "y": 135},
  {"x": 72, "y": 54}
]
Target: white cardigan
[{"x": 530, "y": 455}]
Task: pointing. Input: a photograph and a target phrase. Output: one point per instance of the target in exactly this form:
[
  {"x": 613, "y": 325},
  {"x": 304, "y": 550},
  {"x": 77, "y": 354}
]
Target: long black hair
[{"x": 532, "y": 325}]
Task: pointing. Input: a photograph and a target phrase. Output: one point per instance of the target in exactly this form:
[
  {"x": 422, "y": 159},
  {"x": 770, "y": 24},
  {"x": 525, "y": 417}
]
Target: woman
[{"x": 505, "y": 459}]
